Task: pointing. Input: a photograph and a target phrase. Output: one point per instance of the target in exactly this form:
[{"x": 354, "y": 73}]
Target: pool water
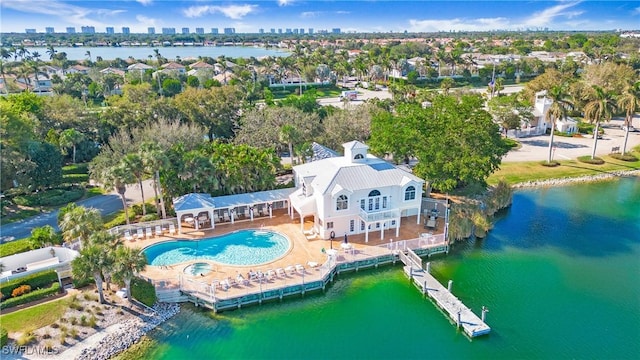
[
  {"x": 198, "y": 269},
  {"x": 244, "y": 247}
]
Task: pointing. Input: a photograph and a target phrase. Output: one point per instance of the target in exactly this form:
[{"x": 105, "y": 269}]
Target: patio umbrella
[{"x": 345, "y": 239}]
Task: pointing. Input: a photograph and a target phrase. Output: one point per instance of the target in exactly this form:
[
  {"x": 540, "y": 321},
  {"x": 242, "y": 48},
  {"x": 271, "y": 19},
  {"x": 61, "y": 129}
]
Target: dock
[{"x": 461, "y": 315}]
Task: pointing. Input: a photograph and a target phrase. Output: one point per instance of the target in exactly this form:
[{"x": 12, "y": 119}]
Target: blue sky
[{"x": 358, "y": 15}]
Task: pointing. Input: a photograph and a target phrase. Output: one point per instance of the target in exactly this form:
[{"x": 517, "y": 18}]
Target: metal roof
[{"x": 195, "y": 201}]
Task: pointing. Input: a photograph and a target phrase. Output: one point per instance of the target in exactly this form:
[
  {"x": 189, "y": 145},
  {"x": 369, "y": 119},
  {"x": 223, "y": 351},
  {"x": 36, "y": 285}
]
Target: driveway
[{"x": 106, "y": 204}]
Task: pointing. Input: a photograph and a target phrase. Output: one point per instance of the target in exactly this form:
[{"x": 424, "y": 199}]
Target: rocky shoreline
[
  {"x": 129, "y": 333},
  {"x": 582, "y": 179}
]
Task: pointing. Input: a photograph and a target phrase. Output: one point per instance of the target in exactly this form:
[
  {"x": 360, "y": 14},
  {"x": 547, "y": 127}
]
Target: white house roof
[
  {"x": 139, "y": 66},
  {"x": 231, "y": 201},
  {"x": 193, "y": 201},
  {"x": 354, "y": 145},
  {"x": 322, "y": 152},
  {"x": 340, "y": 171}
]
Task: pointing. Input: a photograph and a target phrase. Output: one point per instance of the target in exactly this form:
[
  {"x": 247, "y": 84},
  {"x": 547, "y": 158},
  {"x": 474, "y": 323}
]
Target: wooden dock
[{"x": 461, "y": 315}]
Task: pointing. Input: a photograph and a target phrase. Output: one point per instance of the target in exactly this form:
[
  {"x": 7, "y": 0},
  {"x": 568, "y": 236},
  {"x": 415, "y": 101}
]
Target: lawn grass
[
  {"x": 15, "y": 247},
  {"x": 36, "y": 316},
  {"x": 518, "y": 172}
]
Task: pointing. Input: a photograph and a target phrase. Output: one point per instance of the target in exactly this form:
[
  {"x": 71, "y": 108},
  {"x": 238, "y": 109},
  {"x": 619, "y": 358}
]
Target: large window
[
  {"x": 342, "y": 203},
  {"x": 358, "y": 156},
  {"x": 410, "y": 193}
]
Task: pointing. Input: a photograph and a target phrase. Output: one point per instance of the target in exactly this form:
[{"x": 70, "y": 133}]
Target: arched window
[
  {"x": 374, "y": 193},
  {"x": 358, "y": 156},
  {"x": 342, "y": 203},
  {"x": 410, "y": 193}
]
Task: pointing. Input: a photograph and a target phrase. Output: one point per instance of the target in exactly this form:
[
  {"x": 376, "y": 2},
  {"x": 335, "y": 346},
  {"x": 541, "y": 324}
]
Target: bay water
[{"x": 559, "y": 273}]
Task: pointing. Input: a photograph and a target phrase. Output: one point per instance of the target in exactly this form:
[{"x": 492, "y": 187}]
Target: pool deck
[{"x": 303, "y": 250}]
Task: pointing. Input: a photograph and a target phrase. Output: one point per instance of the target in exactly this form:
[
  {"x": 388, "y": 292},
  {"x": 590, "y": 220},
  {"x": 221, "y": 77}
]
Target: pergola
[{"x": 204, "y": 211}]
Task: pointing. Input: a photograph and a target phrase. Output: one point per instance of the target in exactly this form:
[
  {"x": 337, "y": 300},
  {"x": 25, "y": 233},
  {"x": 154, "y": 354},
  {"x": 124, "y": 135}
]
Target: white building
[{"x": 354, "y": 194}]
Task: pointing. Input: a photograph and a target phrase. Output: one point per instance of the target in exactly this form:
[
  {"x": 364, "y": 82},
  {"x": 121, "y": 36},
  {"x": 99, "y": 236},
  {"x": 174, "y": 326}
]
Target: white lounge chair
[
  {"x": 299, "y": 269},
  {"x": 172, "y": 229},
  {"x": 149, "y": 233},
  {"x": 158, "y": 230},
  {"x": 280, "y": 272},
  {"x": 127, "y": 236},
  {"x": 290, "y": 270},
  {"x": 139, "y": 234}
]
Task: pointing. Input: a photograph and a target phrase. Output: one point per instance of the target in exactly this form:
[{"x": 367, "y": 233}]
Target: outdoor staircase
[{"x": 171, "y": 296}]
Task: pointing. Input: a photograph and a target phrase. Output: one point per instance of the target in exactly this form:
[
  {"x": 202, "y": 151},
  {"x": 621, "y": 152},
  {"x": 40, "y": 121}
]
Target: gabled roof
[
  {"x": 193, "y": 201},
  {"x": 354, "y": 145},
  {"x": 322, "y": 152},
  {"x": 139, "y": 66},
  {"x": 201, "y": 65},
  {"x": 172, "y": 66}
]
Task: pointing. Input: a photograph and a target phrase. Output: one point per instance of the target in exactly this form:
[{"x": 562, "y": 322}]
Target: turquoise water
[
  {"x": 244, "y": 247},
  {"x": 198, "y": 269},
  {"x": 560, "y": 274}
]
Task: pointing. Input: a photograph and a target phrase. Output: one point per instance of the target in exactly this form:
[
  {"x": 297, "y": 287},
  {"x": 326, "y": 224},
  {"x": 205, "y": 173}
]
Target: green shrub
[
  {"x": 4, "y": 337},
  {"x": 552, "y": 163},
  {"x": 93, "y": 322},
  {"x": 625, "y": 157},
  {"x": 36, "y": 281},
  {"x": 75, "y": 169},
  {"x": 511, "y": 142},
  {"x": 76, "y": 178},
  {"x": 32, "y": 296},
  {"x": 143, "y": 291},
  {"x": 137, "y": 209},
  {"x": 149, "y": 217},
  {"x": 80, "y": 283},
  {"x": 16, "y": 247},
  {"x": 25, "y": 339},
  {"x": 588, "y": 160}
]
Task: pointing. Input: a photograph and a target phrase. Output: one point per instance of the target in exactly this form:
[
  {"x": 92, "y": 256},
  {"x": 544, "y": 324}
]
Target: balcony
[{"x": 379, "y": 215}]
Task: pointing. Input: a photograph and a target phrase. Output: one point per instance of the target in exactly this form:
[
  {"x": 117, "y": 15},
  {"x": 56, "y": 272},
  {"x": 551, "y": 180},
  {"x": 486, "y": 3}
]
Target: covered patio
[{"x": 202, "y": 211}]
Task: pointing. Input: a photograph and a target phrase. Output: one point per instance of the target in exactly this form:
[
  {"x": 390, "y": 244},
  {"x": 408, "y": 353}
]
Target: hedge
[
  {"x": 32, "y": 296},
  {"x": 4, "y": 337},
  {"x": 143, "y": 291},
  {"x": 15, "y": 247},
  {"x": 36, "y": 281}
]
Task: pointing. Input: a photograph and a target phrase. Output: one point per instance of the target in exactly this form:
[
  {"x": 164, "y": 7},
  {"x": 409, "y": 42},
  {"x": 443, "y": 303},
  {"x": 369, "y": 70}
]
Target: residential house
[
  {"x": 77, "y": 69},
  {"x": 357, "y": 193},
  {"x": 173, "y": 67},
  {"x": 540, "y": 123}
]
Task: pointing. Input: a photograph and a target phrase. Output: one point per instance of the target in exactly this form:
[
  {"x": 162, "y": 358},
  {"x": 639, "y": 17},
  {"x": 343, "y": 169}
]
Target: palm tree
[
  {"x": 629, "y": 101},
  {"x": 92, "y": 262},
  {"x": 558, "y": 110},
  {"x": 51, "y": 51},
  {"x": 154, "y": 160},
  {"x": 600, "y": 108},
  {"x": 134, "y": 165},
  {"x": 4, "y": 71},
  {"x": 128, "y": 263},
  {"x": 80, "y": 223},
  {"x": 88, "y": 54},
  {"x": 288, "y": 135},
  {"x": 71, "y": 137},
  {"x": 115, "y": 177}
]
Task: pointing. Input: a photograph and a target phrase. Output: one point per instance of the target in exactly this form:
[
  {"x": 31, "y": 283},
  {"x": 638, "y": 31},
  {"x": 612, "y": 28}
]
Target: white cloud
[
  {"x": 546, "y": 16},
  {"x": 482, "y": 24},
  {"x": 341, "y": 12},
  {"x": 235, "y": 12},
  {"x": 310, "y": 14},
  {"x": 285, "y": 2},
  {"x": 145, "y": 2},
  {"x": 68, "y": 13},
  {"x": 146, "y": 21},
  {"x": 636, "y": 11}
]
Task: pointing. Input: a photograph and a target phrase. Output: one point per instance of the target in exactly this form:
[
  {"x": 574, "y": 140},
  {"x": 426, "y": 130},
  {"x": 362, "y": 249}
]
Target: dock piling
[{"x": 450, "y": 285}]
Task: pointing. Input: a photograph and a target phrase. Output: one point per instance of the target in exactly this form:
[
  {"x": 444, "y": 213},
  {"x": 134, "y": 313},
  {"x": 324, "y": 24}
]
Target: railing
[
  {"x": 132, "y": 228},
  {"x": 379, "y": 215}
]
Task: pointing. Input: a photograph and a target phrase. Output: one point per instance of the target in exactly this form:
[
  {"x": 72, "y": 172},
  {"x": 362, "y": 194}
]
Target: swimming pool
[{"x": 243, "y": 247}]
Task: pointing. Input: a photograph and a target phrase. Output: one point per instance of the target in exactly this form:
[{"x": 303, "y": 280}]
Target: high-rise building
[
  {"x": 71, "y": 30},
  {"x": 125, "y": 30},
  {"x": 261, "y": 31},
  {"x": 49, "y": 30},
  {"x": 295, "y": 31},
  {"x": 214, "y": 31},
  {"x": 185, "y": 30},
  {"x": 273, "y": 31},
  {"x": 288, "y": 31},
  {"x": 200, "y": 31},
  {"x": 151, "y": 30},
  {"x": 229, "y": 30},
  {"x": 311, "y": 31},
  {"x": 110, "y": 30},
  {"x": 30, "y": 31},
  {"x": 168, "y": 31},
  {"x": 279, "y": 30},
  {"x": 335, "y": 31},
  {"x": 88, "y": 29},
  {"x": 301, "y": 31}
]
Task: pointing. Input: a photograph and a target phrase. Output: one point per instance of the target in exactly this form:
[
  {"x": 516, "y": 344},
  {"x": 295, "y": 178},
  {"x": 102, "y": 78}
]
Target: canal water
[{"x": 559, "y": 273}]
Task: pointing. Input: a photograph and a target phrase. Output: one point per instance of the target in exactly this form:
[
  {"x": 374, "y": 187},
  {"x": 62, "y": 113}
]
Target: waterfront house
[
  {"x": 356, "y": 193},
  {"x": 174, "y": 67}
]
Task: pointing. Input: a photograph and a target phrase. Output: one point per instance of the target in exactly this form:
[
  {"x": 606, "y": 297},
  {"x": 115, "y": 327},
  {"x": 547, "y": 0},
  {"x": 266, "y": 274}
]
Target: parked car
[
  {"x": 631, "y": 128},
  {"x": 122, "y": 293}
]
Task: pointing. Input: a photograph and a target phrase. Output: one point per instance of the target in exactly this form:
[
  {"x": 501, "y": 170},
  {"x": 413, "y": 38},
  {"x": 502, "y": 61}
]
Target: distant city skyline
[{"x": 350, "y": 16}]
